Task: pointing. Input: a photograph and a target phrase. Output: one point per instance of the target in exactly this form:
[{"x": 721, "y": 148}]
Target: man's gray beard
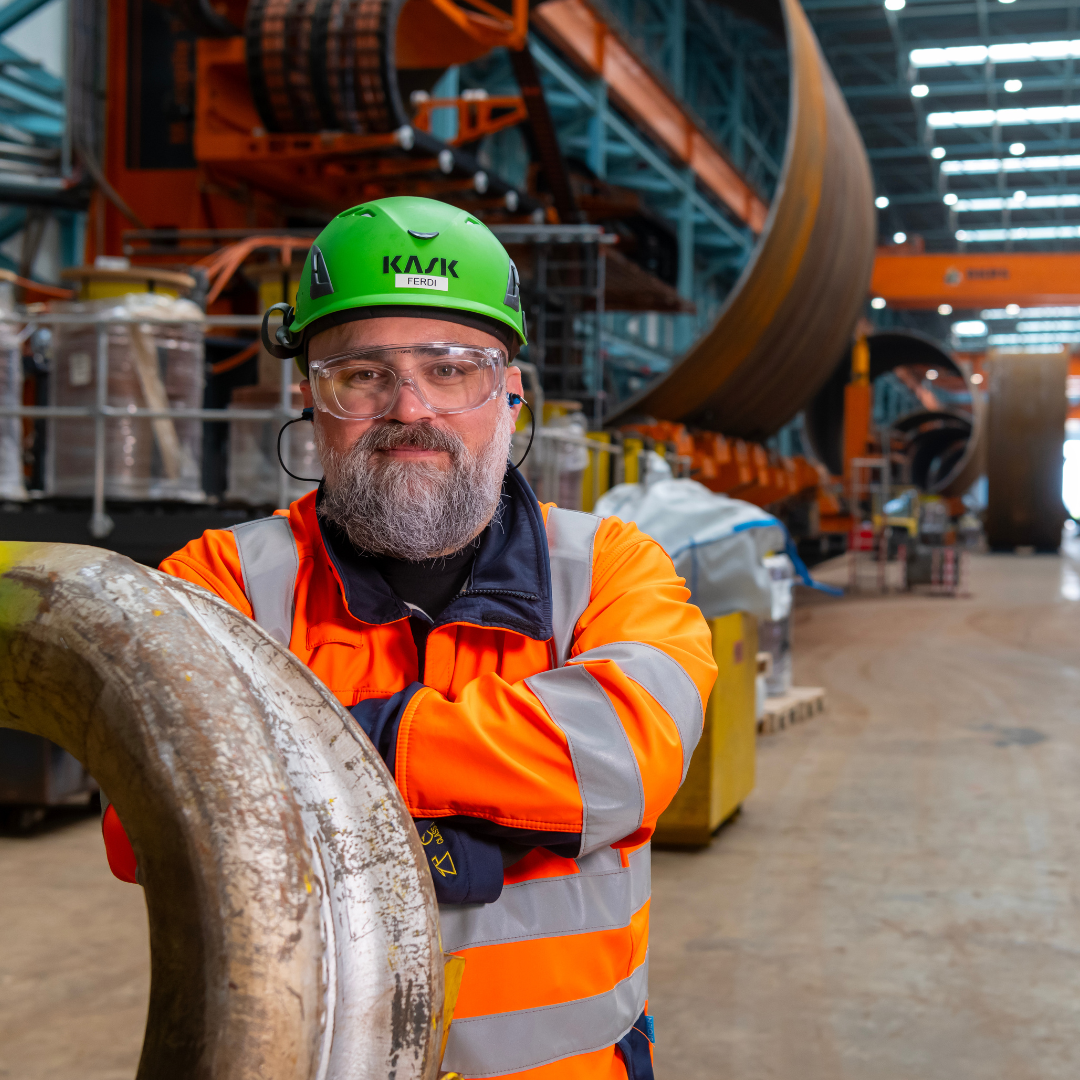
[{"x": 412, "y": 510}]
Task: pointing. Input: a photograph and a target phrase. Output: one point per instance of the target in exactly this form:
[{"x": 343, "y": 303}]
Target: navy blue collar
[{"x": 510, "y": 585}]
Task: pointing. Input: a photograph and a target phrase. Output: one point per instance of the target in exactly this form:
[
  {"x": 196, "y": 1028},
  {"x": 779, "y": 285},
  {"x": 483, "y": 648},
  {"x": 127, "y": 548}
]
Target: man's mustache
[{"x": 390, "y": 435}]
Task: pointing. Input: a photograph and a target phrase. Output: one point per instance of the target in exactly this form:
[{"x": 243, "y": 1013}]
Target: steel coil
[
  {"x": 791, "y": 312},
  {"x": 325, "y": 65},
  {"x": 293, "y": 925}
]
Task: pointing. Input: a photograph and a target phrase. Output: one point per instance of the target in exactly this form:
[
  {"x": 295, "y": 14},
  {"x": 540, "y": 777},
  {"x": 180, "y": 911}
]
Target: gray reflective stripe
[
  {"x": 514, "y": 1041},
  {"x": 665, "y": 679},
  {"x": 269, "y": 562},
  {"x": 570, "y": 551},
  {"x": 602, "y": 897},
  {"x": 612, "y": 795}
]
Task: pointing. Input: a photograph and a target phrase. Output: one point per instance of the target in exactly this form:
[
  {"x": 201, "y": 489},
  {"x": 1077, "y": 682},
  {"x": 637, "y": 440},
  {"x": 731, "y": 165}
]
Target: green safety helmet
[{"x": 402, "y": 256}]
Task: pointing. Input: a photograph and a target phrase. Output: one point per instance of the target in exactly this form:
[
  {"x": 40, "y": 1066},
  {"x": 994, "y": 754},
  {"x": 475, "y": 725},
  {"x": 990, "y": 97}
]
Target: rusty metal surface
[
  {"x": 789, "y": 316},
  {"x": 293, "y": 925}
]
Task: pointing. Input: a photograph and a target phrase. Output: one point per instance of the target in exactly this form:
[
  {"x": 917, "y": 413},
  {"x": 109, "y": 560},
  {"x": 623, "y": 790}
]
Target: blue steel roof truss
[{"x": 869, "y": 49}]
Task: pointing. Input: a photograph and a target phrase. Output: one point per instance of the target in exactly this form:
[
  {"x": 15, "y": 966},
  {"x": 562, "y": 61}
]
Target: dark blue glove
[{"x": 465, "y": 868}]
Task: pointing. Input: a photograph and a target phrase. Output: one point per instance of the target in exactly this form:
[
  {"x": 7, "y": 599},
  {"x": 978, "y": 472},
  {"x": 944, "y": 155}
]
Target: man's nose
[{"x": 409, "y": 407}]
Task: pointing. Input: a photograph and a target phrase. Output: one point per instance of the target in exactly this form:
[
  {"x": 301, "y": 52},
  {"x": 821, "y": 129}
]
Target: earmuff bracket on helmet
[{"x": 284, "y": 345}]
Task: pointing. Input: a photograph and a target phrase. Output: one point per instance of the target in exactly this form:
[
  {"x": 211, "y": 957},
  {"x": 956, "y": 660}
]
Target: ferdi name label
[{"x": 421, "y": 281}]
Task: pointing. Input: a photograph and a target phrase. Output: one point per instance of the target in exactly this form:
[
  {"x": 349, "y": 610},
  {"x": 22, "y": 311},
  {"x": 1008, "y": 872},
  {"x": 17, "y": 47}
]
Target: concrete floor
[
  {"x": 896, "y": 902},
  {"x": 899, "y": 899}
]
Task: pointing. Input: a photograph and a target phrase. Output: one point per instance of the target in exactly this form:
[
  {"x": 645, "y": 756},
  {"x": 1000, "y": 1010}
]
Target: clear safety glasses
[{"x": 447, "y": 378}]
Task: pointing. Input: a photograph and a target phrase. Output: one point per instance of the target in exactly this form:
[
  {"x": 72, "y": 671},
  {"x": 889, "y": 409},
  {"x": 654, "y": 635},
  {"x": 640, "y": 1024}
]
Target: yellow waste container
[{"x": 721, "y": 772}]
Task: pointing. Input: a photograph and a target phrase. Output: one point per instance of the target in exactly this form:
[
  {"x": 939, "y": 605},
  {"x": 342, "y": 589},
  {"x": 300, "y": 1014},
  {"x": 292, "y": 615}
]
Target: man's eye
[{"x": 364, "y": 375}]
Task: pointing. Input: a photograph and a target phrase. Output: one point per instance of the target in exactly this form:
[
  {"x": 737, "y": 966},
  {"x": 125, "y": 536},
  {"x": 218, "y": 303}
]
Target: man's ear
[
  {"x": 305, "y": 389},
  {"x": 513, "y": 386}
]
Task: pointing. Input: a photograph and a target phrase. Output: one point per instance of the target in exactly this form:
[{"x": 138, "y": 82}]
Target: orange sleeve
[
  {"x": 213, "y": 562},
  {"x": 497, "y": 753}
]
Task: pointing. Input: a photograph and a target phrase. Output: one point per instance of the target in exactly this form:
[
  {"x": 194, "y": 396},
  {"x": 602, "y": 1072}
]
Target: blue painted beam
[
  {"x": 25, "y": 96},
  {"x": 643, "y": 182},
  {"x": 658, "y": 161},
  {"x": 33, "y": 123},
  {"x": 15, "y": 12},
  {"x": 611, "y": 149},
  {"x": 12, "y": 222}
]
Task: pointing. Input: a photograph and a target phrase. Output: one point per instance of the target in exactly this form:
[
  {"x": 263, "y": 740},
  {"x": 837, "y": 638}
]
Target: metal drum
[{"x": 155, "y": 360}]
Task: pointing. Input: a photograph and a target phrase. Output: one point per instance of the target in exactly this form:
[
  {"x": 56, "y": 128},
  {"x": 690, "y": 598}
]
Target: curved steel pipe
[
  {"x": 792, "y": 311},
  {"x": 293, "y": 925},
  {"x": 946, "y": 450}
]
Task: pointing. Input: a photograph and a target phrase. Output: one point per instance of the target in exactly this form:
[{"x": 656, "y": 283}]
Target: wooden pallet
[{"x": 798, "y": 704}]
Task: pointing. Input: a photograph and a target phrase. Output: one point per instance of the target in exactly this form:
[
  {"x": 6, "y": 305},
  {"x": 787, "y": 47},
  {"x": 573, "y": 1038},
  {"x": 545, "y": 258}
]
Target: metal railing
[
  {"x": 609, "y": 463},
  {"x": 101, "y": 411},
  {"x": 615, "y": 456}
]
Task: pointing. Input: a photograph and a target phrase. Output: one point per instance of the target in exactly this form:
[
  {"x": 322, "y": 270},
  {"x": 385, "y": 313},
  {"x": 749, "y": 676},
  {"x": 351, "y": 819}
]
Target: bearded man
[{"x": 534, "y": 678}]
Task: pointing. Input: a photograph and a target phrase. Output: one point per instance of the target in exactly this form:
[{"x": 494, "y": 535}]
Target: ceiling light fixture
[
  {"x": 974, "y": 118},
  {"x": 920, "y": 90},
  {"x": 899, "y": 238},
  {"x": 878, "y": 303},
  {"x": 1018, "y": 52},
  {"x": 1026, "y": 164},
  {"x": 944, "y": 309},
  {"x": 881, "y": 202},
  {"x": 969, "y": 328},
  {"x": 1030, "y": 232},
  {"x": 937, "y": 153}
]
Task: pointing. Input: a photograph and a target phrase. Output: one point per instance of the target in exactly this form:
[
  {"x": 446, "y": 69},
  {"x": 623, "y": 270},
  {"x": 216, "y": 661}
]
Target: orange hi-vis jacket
[{"x": 553, "y": 705}]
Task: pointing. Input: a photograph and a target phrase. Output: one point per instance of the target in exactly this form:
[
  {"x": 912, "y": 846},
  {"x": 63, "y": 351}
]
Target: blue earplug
[{"x": 515, "y": 399}]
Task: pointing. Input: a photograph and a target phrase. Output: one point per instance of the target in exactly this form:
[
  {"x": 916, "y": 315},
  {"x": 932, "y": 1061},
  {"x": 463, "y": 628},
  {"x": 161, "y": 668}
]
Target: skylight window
[
  {"x": 1015, "y": 202},
  {"x": 1032, "y": 339},
  {"x": 1030, "y": 232},
  {"x": 1067, "y": 312},
  {"x": 1008, "y": 53},
  {"x": 1035, "y": 326},
  {"x": 1019, "y": 164},
  {"x": 1043, "y": 114}
]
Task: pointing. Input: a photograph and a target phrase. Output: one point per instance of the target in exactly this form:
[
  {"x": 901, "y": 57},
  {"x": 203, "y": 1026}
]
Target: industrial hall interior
[{"x": 539, "y": 539}]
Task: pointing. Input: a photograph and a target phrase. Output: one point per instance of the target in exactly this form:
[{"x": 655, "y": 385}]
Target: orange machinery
[
  {"x": 734, "y": 467},
  {"x": 228, "y": 124},
  {"x": 976, "y": 280}
]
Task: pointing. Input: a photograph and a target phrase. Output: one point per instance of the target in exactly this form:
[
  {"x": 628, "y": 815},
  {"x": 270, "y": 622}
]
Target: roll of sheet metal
[
  {"x": 325, "y": 65},
  {"x": 792, "y": 311},
  {"x": 293, "y": 925},
  {"x": 1026, "y": 415}
]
